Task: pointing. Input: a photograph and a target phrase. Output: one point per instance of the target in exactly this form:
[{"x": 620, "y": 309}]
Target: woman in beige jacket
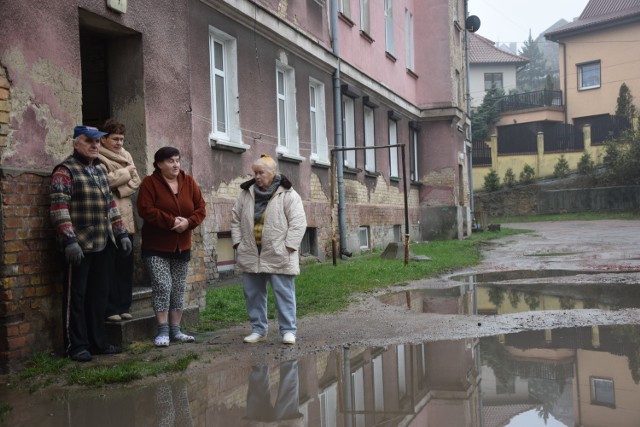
[
  {"x": 124, "y": 182},
  {"x": 267, "y": 225}
]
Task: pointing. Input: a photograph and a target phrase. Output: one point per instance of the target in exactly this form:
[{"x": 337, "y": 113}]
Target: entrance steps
[{"x": 143, "y": 326}]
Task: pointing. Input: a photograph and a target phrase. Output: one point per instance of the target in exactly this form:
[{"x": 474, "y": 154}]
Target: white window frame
[
  {"x": 409, "y": 40},
  {"x": 349, "y": 130},
  {"x": 287, "y": 127},
  {"x": 401, "y": 371},
  {"x": 358, "y": 397},
  {"x": 328, "y": 399},
  {"x": 369, "y": 139},
  {"x": 227, "y": 135},
  {"x": 318, "y": 123},
  {"x": 591, "y": 67},
  {"x": 388, "y": 26},
  {"x": 393, "y": 152},
  {"x": 365, "y": 17},
  {"x": 378, "y": 384},
  {"x": 606, "y": 397},
  {"x": 413, "y": 136},
  {"x": 364, "y": 229},
  {"x": 344, "y": 7}
]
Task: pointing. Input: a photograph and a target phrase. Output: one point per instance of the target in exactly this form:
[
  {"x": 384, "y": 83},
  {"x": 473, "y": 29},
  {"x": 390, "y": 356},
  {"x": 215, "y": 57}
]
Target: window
[
  {"x": 409, "y": 40},
  {"x": 318, "y": 123},
  {"x": 369, "y": 139},
  {"x": 397, "y": 233},
  {"x": 365, "y": 24},
  {"x": 348, "y": 131},
  {"x": 357, "y": 398},
  {"x": 413, "y": 154},
  {"x": 286, "y": 110},
  {"x": 309, "y": 245},
  {"x": 378, "y": 384},
  {"x": 226, "y": 259},
  {"x": 402, "y": 371},
  {"x": 225, "y": 123},
  {"x": 458, "y": 89},
  {"x": 602, "y": 392},
  {"x": 363, "y": 236},
  {"x": 491, "y": 80},
  {"x": 589, "y": 75},
  {"x": 388, "y": 25},
  {"x": 328, "y": 406},
  {"x": 393, "y": 152},
  {"x": 344, "y": 7}
]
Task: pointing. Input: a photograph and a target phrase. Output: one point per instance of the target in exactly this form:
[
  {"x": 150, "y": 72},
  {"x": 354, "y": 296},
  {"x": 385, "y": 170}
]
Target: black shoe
[
  {"x": 81, "y": 356},
  {"x": 112, "y": 349}
]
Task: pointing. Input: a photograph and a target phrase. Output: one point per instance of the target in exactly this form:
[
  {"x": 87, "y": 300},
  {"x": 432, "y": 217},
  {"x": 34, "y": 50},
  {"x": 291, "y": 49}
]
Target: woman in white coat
[{"x": 267, "y": 226}]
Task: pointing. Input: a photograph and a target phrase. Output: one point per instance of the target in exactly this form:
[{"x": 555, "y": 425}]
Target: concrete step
[
  {"x": 143, "y": 326},
  {"x": 141, "y": 299}
]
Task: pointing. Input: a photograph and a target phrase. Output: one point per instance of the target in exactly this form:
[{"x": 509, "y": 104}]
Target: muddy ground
[{"x": 609, "y": 247}]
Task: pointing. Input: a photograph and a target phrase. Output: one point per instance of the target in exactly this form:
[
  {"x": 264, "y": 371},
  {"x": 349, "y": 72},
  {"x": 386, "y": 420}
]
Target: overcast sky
[{"x": 507, "y": 21}]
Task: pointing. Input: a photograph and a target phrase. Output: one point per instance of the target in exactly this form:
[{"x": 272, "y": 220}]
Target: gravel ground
[{"x": 606, "y": 249}]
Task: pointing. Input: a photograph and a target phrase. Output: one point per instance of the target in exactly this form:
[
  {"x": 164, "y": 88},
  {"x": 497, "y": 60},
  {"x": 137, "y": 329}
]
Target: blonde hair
[{"x": 267, "y": 162}]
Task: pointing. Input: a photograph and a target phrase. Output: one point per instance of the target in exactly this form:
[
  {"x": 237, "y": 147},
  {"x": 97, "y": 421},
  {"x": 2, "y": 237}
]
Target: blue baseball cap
[{"x": 89, "y": 131}]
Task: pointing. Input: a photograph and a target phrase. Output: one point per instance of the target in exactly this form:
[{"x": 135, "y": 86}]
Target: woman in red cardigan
[{"x": 171, "y": 205}]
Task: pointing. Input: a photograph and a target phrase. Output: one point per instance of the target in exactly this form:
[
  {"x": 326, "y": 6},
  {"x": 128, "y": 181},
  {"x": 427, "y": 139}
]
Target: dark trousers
[
  {"x": 84, "y": 303},
  {"x": 120, "y": 280}
]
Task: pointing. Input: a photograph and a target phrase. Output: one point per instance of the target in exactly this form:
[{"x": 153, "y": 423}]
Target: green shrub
[
  {"x": 509, "y": 178},
  {"x": 492, "y": 181},
  {"x": 527, "y": 175},
  {"x": 586, "y": 166},
  {"x": 561, "y": 169}
]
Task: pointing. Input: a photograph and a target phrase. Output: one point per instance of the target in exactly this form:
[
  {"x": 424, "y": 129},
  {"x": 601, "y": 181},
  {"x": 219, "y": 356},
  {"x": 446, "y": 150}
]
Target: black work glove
[
  {"x": 73, "y": 254},
  {"x": 126, "y": 246}
]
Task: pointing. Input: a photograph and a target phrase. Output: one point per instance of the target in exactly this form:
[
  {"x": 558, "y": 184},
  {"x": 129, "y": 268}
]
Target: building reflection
[{"x": 586, "y": 376}]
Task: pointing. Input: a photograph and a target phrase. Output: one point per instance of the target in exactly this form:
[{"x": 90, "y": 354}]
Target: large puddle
[
  {"x": 553, "y": 377},
  {"x": 562, "y": 377},
  {"x": 485, "y": 294}
]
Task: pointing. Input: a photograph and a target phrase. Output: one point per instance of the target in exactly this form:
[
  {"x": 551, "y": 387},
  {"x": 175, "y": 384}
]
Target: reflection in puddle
[
  {"x": 569, "y": 376},
  {"x": 498, "y": 276},
  {"x": 554, "y": 377},
  {"x": 483, "y": 294}
]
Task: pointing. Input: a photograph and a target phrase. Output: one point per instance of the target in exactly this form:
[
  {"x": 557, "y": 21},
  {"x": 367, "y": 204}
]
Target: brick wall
[{"x": 30, "y": 274}]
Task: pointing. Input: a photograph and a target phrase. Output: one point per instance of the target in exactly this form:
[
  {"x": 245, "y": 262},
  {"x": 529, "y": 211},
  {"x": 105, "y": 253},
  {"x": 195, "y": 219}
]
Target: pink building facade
[{"x": 225, "y": 81}]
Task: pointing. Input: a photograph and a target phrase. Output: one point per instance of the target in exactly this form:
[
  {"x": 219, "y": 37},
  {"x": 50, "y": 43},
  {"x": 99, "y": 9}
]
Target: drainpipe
[
  {"x": 564, "y": 77},
  {"x": 337, "y": 123},
  {"x": 468, "y": 100}
]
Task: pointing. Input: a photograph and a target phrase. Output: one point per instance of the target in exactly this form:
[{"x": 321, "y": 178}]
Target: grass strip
[{"x": 325, "y": 288}]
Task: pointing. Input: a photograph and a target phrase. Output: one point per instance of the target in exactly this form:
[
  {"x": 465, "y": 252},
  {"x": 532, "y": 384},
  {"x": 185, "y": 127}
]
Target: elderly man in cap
[{"x": 86, "y": 220}]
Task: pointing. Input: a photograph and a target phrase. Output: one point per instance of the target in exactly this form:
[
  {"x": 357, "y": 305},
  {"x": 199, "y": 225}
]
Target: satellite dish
[{"x": 472, "y": 23}]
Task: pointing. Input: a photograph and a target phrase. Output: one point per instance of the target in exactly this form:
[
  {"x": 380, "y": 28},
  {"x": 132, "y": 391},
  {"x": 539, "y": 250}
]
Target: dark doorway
[
  {"x": 95, "y": 82},
  {"x": 113, "y": 85}
]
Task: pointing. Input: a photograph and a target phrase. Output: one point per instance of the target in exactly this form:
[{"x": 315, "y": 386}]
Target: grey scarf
[{"x": 263, "y": 197}]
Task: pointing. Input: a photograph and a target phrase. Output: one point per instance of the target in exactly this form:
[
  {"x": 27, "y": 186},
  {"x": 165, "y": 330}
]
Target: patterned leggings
[{"x": 168, "y": 282}]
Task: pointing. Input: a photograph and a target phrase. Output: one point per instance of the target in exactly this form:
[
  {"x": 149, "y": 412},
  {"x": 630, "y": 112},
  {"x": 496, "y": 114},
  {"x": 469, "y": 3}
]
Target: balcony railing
[{"x": 527, "y": 100}]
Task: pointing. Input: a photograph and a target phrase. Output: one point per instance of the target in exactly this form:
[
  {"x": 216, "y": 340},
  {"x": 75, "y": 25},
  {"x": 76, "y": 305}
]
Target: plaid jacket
[{"x": 82, "y": 206}]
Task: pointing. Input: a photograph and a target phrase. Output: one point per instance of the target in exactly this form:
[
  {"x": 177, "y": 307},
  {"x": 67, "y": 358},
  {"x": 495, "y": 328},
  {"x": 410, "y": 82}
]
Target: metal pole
[{"x": 406, "y": 208}]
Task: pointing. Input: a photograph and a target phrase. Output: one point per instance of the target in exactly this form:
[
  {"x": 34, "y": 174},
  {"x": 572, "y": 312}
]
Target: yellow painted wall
[{"x": 542, "y": 163}]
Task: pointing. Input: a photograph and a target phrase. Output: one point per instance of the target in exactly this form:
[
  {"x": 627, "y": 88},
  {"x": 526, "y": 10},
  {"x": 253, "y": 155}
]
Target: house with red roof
[{"x": 490, "y": 66}]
